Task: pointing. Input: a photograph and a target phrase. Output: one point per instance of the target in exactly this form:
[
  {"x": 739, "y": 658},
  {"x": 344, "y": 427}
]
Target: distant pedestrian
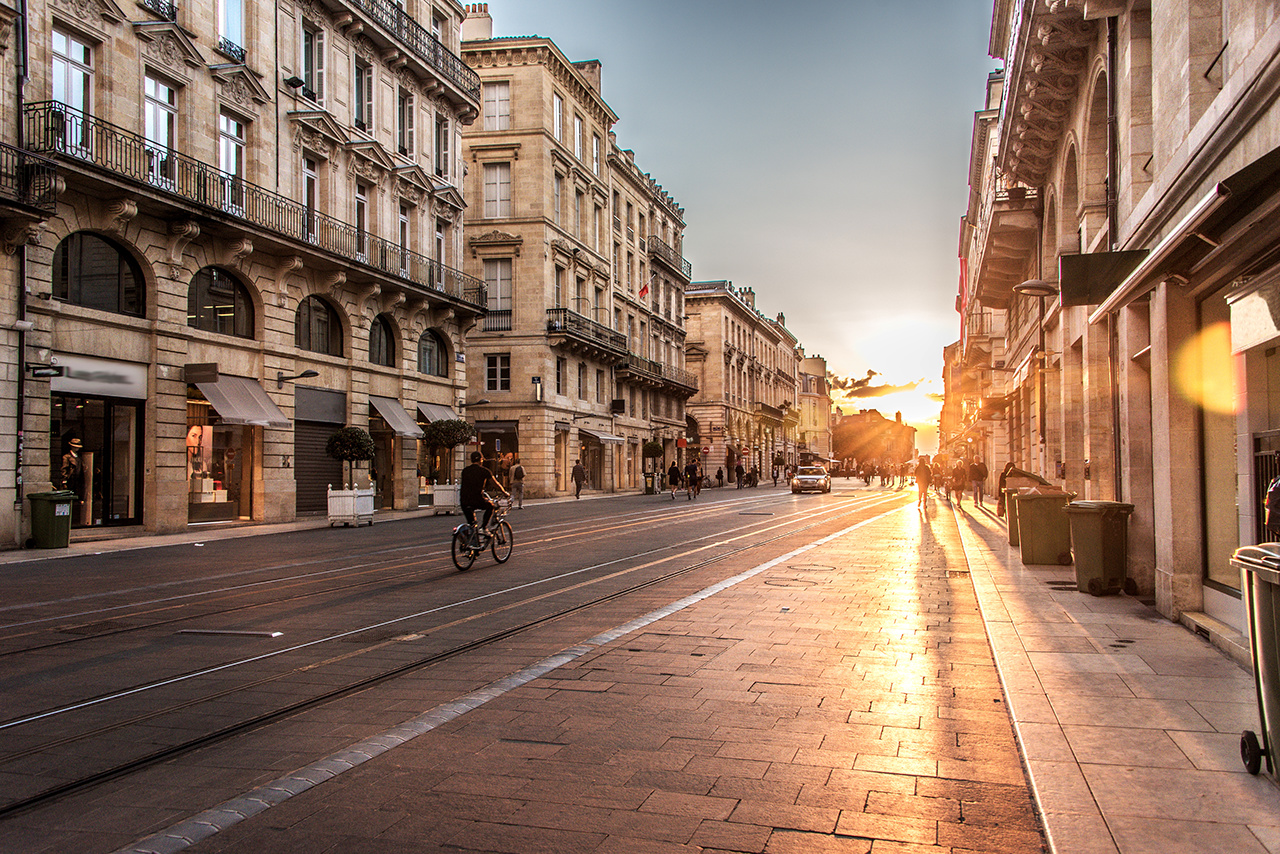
[
  {"x": 720, "y": 476},
  {"x": 924, "y": 476},
  {"x": 775, "y": 475},
  {"x": 517, "y": 485},
  {"x": 739, "y": 471},
  {"x": 692, "y": 478},
  {"x": 978, "y": 479},
  {"x": 959, "y": 480},
  {"x": 673, "y": 478},
  {"x": 579, "y": 476}
]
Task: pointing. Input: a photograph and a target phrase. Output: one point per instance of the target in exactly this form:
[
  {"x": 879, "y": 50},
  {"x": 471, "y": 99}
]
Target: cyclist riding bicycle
[{"x": 471, "y": 492}]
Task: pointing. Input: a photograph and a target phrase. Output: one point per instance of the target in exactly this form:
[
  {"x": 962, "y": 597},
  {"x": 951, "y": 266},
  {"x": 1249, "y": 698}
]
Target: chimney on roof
[
  {"x": 590, "y": 69},
  {"x": 749, "y": 297},
  {"x": 477, "y": 25}
]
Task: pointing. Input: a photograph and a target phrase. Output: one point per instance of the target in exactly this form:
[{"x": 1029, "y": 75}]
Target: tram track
[{"x": 783, "y": 527}]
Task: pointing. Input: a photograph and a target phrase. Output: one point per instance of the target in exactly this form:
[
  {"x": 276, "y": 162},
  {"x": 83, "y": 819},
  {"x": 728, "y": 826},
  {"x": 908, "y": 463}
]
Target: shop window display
[{"x": 219, "y": 465}]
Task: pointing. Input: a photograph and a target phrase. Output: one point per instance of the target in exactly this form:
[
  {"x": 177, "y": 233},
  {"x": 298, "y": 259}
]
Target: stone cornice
[{"x": 505, "y": 53}]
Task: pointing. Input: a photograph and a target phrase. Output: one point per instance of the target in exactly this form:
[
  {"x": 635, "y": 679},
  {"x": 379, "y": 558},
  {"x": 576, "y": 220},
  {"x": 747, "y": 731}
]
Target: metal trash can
[
  {"x": 1260, "y": 581},
  {"x": 1044, "y": 534},
  {"x": 648, "y": 483},
  {"x": 1100, "y": 545},
  {"x": 51, "y": 518}
]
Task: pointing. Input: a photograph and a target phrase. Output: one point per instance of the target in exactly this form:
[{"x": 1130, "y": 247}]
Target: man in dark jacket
[
  {"x": 978, "y": 479},
  {"x": 471, "y": 487},
  {"x": 579, "y": 476}
]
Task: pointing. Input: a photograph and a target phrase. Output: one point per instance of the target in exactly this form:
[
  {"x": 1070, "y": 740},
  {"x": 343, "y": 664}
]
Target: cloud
[{"x": 859, "y": 388}]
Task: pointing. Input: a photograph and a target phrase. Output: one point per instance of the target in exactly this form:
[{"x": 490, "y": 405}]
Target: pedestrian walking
[
  {"x": 692, "y": 477},
  {"x": 959, "y": 480},
  {"x": 673, "y": 478},
  {"x": 924, "y": 476},
  {"x": 739, "y": 471},
  {"x": 579, "y": 475},
  {"x": 978, "y": 480},
  {"x": 517, "y": 485},
  {"x": 720, "y": 476}
]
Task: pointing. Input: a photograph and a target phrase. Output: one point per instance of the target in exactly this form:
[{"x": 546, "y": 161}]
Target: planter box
[
  {"x": 350, "y": 506},
  {"x": 445, "y": 499}
]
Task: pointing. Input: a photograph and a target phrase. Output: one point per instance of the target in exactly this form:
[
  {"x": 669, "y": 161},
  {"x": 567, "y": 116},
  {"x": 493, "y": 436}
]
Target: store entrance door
[{"x": 96, "y": 452}]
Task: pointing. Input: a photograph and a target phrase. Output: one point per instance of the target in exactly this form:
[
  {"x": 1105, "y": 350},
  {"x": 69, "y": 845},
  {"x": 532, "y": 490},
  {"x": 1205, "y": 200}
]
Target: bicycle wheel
[
  {"x": 463, "y": 554},
  {"x": 503, "y": 540}
]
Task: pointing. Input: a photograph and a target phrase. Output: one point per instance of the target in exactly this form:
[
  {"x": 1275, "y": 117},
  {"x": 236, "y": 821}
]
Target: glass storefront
[
  {"x": 219, "y": 464},
  {"x": 95, "y": 451}
]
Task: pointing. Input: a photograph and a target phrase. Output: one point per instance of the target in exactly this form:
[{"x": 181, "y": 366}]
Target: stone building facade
[
  {"x": 581, "y": 355},
  {"x": 748, "y": 368},
  {"x": 257, "y": 239},
  {"x": 1120, "y": 275},
  {"x": 815, "y": 412}
]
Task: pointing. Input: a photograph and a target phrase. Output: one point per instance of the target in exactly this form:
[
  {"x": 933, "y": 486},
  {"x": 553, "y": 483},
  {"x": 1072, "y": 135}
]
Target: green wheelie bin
[
  {"x": 649, "y": 483},
  {"x": 1044, "y": 534},
  {"x": 1260, "y": 582},
  {"x": 1100, "y": 544},
  {"x": 1014, "y": 481},
  {"x": 51, "y": 518}
]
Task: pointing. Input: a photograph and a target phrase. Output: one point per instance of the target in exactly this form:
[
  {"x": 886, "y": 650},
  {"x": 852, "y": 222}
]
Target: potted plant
[
  {"x": 348, "y": 504},
  {"x": 446, "y": 433}
]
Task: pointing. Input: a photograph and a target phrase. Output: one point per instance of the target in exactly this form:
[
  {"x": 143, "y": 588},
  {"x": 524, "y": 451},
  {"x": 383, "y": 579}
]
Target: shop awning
[
  {"x": 436, "y": 412},
  {"x": 238, "y": 400},
  {"x": 603, "y": 437},
  {"x": 396, "y": 417}
]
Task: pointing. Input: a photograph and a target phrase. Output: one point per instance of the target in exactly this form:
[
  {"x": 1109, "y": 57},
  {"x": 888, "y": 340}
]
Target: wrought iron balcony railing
[
  {"x": 27, "y": 179},
  {"x": 414, "y": 36},
  {"x": 498, "y": 320},
  {"x": 657, "y": 370},
  {"x": 53, "y": 128},
  {"x": 564, "y": 320},
  {"x": 166, "y": 10},
  {"x": 231, "y": 50},
  {"x": 659, "y": 249}
]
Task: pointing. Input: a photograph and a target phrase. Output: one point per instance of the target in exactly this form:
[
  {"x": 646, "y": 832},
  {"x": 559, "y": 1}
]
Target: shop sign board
[{"x": 90, "y": 377}]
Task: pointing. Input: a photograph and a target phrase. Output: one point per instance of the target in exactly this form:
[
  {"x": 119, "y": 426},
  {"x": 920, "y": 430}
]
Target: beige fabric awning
[
  {"x": 396, "y": 417},
  {"x": 239, "y": 400}
]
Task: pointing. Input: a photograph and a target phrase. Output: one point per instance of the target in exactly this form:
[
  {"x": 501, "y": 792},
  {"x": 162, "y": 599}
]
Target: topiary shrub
[
  {"x": 446, "y": 433},
  {"x": 350, "y": 445}
]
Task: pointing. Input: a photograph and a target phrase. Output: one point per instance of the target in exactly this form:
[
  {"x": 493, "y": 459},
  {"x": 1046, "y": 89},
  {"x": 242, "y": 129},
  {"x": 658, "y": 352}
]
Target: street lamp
[
  {"x": 1039, "y": 289},
  {"x": 281, "y": 379}
]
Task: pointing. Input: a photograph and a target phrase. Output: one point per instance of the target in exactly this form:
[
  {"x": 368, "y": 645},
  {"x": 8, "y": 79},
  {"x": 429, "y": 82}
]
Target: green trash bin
[
  {"x": 51, "y": 518},
  {"x": 1044, "y": 534},
  {"x": 1100, "y": 544},
  {"x": 648, "y": 484},
  {"x": 1011, "y": 514},
  {"x": 1260, "y": 583}
]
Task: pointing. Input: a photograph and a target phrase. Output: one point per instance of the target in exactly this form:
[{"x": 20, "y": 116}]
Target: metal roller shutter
[{"x": 313, "y": 470}]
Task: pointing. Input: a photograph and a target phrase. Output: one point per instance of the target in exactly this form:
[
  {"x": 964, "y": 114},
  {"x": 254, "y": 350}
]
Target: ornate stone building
[
  {"x": 748, "y": 366},
  {"x": 256, "y": 239},
  {"x": 1120, "y": 273},
  {"x": 581, "y": 355}
]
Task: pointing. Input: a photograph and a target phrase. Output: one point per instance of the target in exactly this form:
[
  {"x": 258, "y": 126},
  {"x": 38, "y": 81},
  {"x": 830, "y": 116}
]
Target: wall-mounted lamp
[
  {"x": 281, "y": 379},
  {"x": 462, "y": 404},
  {"x": 294, "y": 82}
]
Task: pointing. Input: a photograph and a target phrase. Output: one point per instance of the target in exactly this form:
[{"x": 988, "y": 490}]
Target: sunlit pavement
[{"x": 1129, "y": 724}]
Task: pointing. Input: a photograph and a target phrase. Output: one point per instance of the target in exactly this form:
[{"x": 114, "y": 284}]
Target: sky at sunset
[{"x": 820, "y": 150}]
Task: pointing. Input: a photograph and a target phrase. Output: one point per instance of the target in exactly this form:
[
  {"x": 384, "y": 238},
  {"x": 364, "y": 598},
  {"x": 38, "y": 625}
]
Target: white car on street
[{"x": 811, "y": 479}]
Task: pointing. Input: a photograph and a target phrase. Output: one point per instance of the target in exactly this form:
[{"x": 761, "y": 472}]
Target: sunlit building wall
[
  {"x": 246, "y": 194},
  {"x": 581, "y": 355},
  {"x": 1123, "y": 169}
]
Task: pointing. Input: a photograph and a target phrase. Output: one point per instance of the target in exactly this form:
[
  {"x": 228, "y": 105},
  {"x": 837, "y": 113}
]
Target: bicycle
[{"x": 497, "y": 536}]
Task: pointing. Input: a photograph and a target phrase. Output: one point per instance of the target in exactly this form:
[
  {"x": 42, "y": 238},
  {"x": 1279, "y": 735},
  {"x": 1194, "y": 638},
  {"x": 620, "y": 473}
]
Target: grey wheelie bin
[
  {"x": 1044, "y": 534},
  {"x": 1016, "y": 480},
  {"x": 51, "y": 518},
  {"x": 1260, "y": 580},
  {"x": 1100, "y": 545}
]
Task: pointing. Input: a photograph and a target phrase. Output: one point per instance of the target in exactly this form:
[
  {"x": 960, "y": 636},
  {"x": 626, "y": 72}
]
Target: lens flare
[{"x": 1204, "y": 370}]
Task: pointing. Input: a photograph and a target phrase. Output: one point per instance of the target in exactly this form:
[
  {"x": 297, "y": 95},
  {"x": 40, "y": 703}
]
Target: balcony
[
  {"x": 582, "y": 335},
  {"x": 664, "y": 253},
  {"x": 413, "y": 36},
  {"x": 498, "y": 320},
  {"x": 27, "y": 182},
  {"x": 166, "y": 10},
  {"x": 657, "y": 375},
  {"x": 52, "y": 128},
  {"x": 231, "y": 50}
]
